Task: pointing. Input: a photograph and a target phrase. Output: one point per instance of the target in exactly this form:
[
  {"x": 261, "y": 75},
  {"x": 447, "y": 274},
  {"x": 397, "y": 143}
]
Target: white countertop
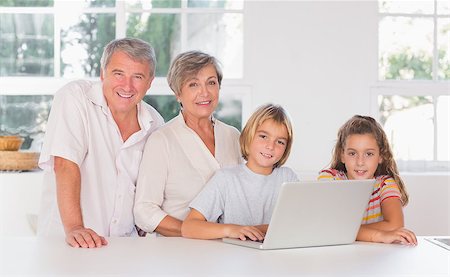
[{"x": 179, "y": 256}]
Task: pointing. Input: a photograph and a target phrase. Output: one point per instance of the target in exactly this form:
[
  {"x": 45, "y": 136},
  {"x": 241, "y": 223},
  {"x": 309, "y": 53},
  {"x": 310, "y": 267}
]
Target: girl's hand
[
  {"x": 244, "y": 232},
  {"x": 400, "y": 236}
]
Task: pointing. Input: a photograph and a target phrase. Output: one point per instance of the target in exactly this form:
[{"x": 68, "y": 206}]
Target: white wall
[{"x": 318, "y": 60}]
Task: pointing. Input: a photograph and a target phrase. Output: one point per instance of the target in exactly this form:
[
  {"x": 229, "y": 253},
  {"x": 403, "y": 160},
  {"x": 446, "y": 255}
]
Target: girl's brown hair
[
  {"x": 367, "y": 125},
  {"x": 263, "y": 113}
]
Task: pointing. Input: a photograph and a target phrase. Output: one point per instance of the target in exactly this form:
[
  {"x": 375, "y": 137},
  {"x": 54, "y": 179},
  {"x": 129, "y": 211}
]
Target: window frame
[
  {"x": 48, "y": 85},
  {"x": 434, "y": 88}
]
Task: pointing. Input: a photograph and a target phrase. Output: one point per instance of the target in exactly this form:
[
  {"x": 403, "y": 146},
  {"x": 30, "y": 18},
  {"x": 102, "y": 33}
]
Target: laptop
[
  {"x": 443, "y": 242},
  {"x": 315, "y": 213}
]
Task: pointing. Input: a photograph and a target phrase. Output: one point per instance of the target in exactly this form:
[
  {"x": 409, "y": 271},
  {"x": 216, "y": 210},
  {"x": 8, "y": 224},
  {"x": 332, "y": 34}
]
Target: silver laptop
[
  {"x": 315, "y": 213},
  {"x": 443, "y": 242}
]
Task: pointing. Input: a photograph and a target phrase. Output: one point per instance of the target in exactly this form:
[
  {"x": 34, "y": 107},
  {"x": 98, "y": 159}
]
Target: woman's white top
[{"x": 175, "y": 166}]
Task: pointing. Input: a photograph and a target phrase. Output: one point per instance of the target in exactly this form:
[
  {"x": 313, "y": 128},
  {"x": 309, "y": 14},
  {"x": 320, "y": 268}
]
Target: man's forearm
[{"x": 68, "y": 188}]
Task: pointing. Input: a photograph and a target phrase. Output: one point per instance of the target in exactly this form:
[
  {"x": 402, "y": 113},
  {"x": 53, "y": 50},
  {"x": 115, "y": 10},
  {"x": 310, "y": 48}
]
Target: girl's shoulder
[
  {"x": 332, "y": 173},
  {"x": 383, "y": 180}
]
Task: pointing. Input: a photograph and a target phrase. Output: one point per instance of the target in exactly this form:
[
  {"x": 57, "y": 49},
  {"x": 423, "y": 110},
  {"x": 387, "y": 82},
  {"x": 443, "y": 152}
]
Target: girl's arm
[
  {"x": 392, "y": 211},
  {"x": 390, "y": 230},
  {"x": 401, "y": 235},
  {"x": 196, "y": 226}
]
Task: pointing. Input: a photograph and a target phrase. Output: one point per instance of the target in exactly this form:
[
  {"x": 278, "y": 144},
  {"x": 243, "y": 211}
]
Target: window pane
[
  {"x": 25, "y": 115},
  {"x": 99, "y": 3},
  {"x": 396, "y": 6},
  {"x": 220, "y": 35},
  {"x": 443, "y": 7},
  {"x": 148, "y": 4},
  {"x": 26, "y": 47},
  {"x": 82, "y": 44},
  {"x": 443, "y": 128},
  {"x": 408, "y": 123},
  {"x": 26, "y": 3},
  {"x": 226, "y": 4},
  {"x": 405, "y": 48},
  {"x": 229, "y": 109},
  {"x": 444, "y": 48},
  {"x": 163, "y": 33},
  {"x": 166, "y": 105}
]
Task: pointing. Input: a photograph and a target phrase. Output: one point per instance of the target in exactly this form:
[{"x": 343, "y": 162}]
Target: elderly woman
[{"x": 180, "y": 157}]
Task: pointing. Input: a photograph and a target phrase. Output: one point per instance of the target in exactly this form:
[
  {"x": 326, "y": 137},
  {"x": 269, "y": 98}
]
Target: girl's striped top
[{"x": 384, "y": 188}]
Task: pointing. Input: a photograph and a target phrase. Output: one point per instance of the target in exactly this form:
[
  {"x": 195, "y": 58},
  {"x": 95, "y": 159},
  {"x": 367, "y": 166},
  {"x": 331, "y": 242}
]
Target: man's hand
[{"x": 85, "y": 238}]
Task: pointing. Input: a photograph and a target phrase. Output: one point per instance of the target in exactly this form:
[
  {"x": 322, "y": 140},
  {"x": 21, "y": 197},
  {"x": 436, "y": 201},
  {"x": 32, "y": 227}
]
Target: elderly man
[{"x": 93, "y": 147}]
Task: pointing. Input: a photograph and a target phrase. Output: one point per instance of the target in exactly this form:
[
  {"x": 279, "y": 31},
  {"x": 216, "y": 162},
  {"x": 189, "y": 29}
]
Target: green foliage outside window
[
  {"x": 26, "y": 3},
  {"x": 160, "y": 30}
]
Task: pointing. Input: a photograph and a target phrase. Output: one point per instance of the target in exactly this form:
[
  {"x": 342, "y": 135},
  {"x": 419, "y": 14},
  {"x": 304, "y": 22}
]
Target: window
[
  {"x": 45, "y": 43},
  {"x": 413, "y": 92}
]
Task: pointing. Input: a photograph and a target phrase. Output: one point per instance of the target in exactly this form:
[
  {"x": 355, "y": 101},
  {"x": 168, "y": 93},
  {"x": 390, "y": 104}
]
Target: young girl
[
  {"x": 238, "y": 201},
  {"x": 362, "y": 151}
]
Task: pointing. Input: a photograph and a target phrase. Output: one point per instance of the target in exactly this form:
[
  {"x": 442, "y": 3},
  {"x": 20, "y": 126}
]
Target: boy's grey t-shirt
[{"x": 237, "y": 195}]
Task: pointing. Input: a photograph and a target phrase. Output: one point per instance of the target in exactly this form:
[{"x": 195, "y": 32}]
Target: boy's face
[
  {"x": 267, "y": 147},
  {"x": 361, "y": 156}
]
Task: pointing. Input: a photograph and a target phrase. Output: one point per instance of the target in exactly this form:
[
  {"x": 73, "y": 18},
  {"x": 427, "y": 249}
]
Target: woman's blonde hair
[
  {"x": 263, "y": 113},
  {"x": 367, "y": 125}
]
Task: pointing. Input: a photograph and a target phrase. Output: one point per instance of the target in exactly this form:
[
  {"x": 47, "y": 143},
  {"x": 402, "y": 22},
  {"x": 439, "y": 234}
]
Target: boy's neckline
[{"x": 256, "y": 173}]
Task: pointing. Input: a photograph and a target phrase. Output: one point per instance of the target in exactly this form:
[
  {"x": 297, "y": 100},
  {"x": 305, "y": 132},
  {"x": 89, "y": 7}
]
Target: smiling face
[
  {"x": 125, "y": 82},
  {"x": 267, "y": 147},
  {"x": 199, "y": 95},
  {"x": 361, "y": 156}
]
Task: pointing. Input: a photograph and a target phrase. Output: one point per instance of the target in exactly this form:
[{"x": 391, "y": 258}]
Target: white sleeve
[
  {"x": 151, "y": 183},
  {"x": 66, "y": 134}
]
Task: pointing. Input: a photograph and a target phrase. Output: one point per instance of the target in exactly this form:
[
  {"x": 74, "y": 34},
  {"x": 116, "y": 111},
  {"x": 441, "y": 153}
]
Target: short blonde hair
[
  {"x": 263, "y": 113},
  {"x": 186, "y": 65}
]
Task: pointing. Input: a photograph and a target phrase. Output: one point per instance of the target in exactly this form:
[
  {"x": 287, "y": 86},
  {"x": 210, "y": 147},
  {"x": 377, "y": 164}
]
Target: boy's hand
[
  {"x": 245, "y": 232},
  {"x": 84, "y": 237},
  {"x": 401, "y": 236}
]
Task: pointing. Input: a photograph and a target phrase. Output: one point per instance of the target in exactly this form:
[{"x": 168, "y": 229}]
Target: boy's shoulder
[
  {"x": 284, "y": 170},
  {"x": 286, "y": 174}
]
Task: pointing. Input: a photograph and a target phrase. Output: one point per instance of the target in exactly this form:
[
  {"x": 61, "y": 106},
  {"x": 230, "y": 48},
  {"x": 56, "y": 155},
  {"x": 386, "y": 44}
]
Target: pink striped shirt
[{"x": 384, "y": 188}]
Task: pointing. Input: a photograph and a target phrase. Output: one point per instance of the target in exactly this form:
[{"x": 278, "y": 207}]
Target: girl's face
[
  {"x": 361, "y": 156},
  {"x": 267, "y": 147},
  {"x": 200, "y": 94}
]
